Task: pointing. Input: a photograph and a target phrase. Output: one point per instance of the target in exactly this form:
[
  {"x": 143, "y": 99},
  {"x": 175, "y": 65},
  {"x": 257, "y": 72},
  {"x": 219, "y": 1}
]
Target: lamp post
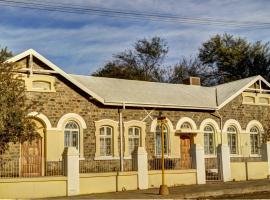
[{"x": 163, "y": 189}]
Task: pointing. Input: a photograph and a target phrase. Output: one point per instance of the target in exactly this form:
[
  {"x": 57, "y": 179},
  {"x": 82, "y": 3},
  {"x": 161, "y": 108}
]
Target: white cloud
[{"x": 81, "y": 43}]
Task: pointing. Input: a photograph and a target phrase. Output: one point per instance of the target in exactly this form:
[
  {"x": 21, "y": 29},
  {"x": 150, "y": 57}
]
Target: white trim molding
[
  {"x": 232, "y": 122},
  {"x": 210, "y": 122},
  {"x": 115, "y": 127},
  {"x": 70, "y": 116},
  {"x": 254, "y": 123},
  {"x": 155, "y": 123},
  {"x": 43, "y": 118},
  {"x": 186, "y": 119},
  {"x": 134, "y": 123}
]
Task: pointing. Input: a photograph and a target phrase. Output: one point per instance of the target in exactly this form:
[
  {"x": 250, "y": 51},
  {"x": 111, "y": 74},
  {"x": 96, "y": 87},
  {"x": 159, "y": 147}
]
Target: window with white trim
[
  {"x": 133, "y": 138},
  {"x": 72, "y": 135},
  {"x": 106, "y": 141},
  {"x": 209, "y": 140},
  {"x": 232, "y": 139},
  {"x": 255, "y": 140},
  {"x": 158, "y": 140}
]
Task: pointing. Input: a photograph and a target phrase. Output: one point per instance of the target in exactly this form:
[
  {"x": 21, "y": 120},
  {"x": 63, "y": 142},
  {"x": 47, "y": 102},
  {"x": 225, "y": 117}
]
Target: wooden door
[
  {"x": 31, "y": 158},
  {"x": 185, "y": 144}
]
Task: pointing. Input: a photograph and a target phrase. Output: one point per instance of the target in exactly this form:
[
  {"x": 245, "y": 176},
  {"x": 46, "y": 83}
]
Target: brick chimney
[{"x": 192, "y": 81}]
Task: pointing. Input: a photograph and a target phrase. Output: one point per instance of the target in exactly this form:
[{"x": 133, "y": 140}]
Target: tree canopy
[
  {"x": 233, "y": 58},
  {"x": 15, "y": 126},
  {"x": 220, "y": 59},
  {"x": 141, "y": 63}
]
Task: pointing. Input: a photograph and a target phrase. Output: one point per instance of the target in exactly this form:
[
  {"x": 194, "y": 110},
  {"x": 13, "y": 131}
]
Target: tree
[
  {"x": 187, "y": 68},
  {"x": 15, "y": 126},
  {"x": 142, "y": 63},
  {"x": 233, "y": 58},
  {"x": 4, "y": 54}
]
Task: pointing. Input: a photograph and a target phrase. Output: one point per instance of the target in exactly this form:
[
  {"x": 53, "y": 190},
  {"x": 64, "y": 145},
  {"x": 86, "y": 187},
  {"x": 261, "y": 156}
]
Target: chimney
[{"x": 192, "y": 81}]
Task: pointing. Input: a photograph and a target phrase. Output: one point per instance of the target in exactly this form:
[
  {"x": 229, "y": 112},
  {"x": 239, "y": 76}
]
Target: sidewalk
[{"x": 191, "y": 191}]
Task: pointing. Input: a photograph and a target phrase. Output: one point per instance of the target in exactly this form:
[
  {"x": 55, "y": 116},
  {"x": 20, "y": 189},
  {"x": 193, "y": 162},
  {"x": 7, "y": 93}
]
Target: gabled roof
[
  {"x": 134, "y": 93},
  {"x": 120, "y": 92}
]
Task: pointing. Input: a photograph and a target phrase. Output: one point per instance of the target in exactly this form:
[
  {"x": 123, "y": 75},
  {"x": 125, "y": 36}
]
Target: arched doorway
[{"x": 32, "y": 154}]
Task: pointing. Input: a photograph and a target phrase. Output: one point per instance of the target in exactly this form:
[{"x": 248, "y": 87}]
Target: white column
[
  {"x": 71, "y": 170},
  {"x": 224, "y": 161},
  {"x": 266, "y": 154},
  {"x": 198, "y": 162},
  {"x": 142, "y": 168}
]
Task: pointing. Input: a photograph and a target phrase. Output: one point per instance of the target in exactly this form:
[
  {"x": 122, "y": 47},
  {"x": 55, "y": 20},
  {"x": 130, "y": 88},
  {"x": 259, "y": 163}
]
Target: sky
[{"x": 82, "y": 43}]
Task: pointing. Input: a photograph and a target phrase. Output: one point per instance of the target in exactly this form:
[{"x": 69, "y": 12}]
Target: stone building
[{"x": 108, "y": 119}]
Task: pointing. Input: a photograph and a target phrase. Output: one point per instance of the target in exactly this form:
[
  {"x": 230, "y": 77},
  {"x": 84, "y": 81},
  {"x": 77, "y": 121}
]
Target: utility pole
[{"x": 163, "y": 190}]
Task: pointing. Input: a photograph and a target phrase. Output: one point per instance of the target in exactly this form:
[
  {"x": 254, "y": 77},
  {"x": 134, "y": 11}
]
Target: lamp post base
[{"x": 163, "y": 190}]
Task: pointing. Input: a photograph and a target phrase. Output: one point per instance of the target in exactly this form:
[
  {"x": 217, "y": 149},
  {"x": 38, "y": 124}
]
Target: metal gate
[{"x": 212, "y": 169}]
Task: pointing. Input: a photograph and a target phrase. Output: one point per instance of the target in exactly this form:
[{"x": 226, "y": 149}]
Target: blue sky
[{"x": 80, "y": 43}]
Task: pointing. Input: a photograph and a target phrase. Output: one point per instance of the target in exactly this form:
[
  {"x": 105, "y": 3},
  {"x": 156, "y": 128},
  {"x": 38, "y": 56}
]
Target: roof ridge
[
  {"x": 251, "y": 77},
  {"x": 141, "y": 81}
]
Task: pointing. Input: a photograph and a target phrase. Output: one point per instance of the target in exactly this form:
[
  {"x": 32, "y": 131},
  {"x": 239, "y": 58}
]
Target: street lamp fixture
[{"x": 163, "y": 189}]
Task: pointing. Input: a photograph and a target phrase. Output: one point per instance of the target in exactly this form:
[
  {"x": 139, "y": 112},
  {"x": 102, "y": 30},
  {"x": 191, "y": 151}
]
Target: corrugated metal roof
[{"x": 132, "y": 92}]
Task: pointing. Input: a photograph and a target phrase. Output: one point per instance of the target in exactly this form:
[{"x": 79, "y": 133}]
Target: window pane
[
  {"x": 109, "y": 131},
  {"x": 130, "y": 131},
  {"x": 102, "y": 131},
  {"x": 137, "y": 131},
  {"x": 67, "y": 138}
]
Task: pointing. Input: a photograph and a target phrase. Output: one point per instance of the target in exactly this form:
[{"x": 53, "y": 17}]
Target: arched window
[
  {"x": 209, "y": 140},
  {"x": 186, "y": 125},
  {"x": 106, "y": 142},
  {"x": 254, "y": 140},
  {"x": 232, "y": 139},
  {"x": 133, "y": 138},
  {"x": 72, "y": 135},
  {"x": 158, "y": 140}
]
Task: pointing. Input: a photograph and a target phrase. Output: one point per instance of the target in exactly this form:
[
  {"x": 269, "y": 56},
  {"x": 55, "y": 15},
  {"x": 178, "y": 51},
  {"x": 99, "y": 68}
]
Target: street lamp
[{"x": 163, "y": 189}]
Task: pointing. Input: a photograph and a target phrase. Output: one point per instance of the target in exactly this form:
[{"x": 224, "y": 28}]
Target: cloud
[{"x": 82, "y": 43}]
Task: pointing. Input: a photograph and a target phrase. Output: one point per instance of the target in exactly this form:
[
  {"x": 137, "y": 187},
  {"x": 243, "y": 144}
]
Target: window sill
[
  {"x": 210, "y": 156},
  {"x": 255, "y": 155},
  {"x": 81, "y": 158}
]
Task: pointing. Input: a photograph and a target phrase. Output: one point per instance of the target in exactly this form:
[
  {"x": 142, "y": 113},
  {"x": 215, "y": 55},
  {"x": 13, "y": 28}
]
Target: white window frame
[
  {"x": 132, "y": 137},
  {"x": 104, "y": 138},
  {"x": 166, "y": 140},
  {"x": 68, "y": 141},
  {"x": 252, "y": 143},
  {"x": 207, "y": 132},
  {"x": 232, "y": 133}
]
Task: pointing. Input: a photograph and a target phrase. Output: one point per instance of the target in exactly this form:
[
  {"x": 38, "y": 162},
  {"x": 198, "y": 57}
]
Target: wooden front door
[
  {"x": 31, "y": 158},
  {"x": 185, "y": 144}
]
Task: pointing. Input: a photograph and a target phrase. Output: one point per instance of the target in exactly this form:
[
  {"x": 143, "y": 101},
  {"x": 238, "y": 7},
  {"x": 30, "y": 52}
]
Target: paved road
[
  {"x": 215, "y": 190},
  {"x": 257, "y": 195}
]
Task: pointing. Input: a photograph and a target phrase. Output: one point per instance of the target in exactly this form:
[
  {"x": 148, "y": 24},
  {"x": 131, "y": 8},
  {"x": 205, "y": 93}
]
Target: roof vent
[{"x": 192, "y": 81}]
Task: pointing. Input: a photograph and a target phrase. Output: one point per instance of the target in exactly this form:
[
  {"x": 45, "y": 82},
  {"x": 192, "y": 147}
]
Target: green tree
[
  {"x": 233, "y": 58},
  {"x": 188, "y": 67},
  {"x": 141, "y": 63},
  {"x": 15, "y": 126}
]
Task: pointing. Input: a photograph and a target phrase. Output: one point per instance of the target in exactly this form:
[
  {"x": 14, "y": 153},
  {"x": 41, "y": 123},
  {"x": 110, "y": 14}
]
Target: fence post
[
  {"x": 223, "y": 153},
  {"x": 71, "y": 170},
  {"x": 266, "y": 154},
  {"x": 198, "y": 162},
  {"x": 142, "y": 168}
]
